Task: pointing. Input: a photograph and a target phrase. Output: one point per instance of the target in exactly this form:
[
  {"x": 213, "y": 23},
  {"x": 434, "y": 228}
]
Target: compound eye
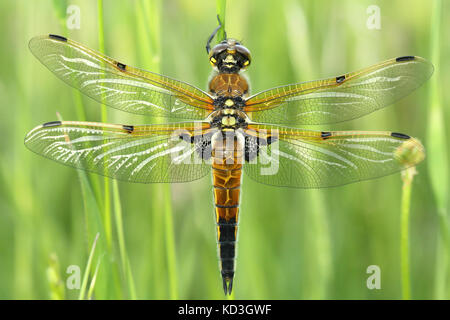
[
  {"x": 246, "y": 53},
  {"x": 243, "y": 50},
  {"x": 219, "y": 48}
]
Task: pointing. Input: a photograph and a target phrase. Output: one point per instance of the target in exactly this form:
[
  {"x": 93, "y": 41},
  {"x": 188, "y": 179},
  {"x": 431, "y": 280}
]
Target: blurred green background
[{"x": 293, "y": 244}]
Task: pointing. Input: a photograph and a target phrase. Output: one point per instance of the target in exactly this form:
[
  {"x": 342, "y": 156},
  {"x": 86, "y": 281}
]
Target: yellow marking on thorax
[
  {"x": 229, "y": 102},
  {"x": 228, "y": 121},
  {"x": 229, "y": 111},
  {"x": 229, "y": 59}
]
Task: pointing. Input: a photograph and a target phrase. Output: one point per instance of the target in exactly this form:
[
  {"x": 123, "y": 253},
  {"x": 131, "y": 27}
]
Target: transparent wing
[
  {"x": 118, "y": 85},
  {"x": 315, "y": 159},
  {"x": 341, "y": 98},
  {"x": 150, "y": 153}
]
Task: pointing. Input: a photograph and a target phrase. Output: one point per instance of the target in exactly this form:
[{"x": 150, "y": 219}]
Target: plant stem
[
  {"x": 221, "y": 10},
  {"x": 107, "y": 197},
  {"x": 438, "y": 163},
  {"x": 128, "y": 276},
  {"x": 87, "y": 270},
  {"x": 407, "y": 177}
]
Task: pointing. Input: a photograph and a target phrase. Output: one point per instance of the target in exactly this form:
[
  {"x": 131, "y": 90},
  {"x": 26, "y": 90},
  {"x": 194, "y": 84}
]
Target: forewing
[
  {"x": 150, "y": 153},
  {"x": 341, "y": 98},
  {"x": 314, "y": 159},
  {"x": 118, "y": 85}
]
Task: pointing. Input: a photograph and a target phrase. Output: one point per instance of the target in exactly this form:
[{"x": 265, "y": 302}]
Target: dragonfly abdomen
[{"x": 227, "y": 172}]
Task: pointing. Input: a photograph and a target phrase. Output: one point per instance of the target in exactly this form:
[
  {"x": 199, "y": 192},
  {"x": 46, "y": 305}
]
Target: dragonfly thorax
[
  {"x": 232, "y": 85},
  {"x": 228, "y": 119}
]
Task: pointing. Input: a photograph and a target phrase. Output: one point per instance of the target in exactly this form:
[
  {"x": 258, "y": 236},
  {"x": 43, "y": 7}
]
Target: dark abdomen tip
[{"x": 227, "y": 284}]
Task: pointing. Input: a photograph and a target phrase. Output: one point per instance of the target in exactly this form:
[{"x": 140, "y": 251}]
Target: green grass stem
[
  {"x": 221, "y": 6},
  {"x": 90, "y": 293},
  {"x": 125, "y": 263},
  {"x": 407, "y": 178},
  {"x": 104, "y": 116},
  {"x": 87, "y": 270},
  {"x": 438, "y": 162}
]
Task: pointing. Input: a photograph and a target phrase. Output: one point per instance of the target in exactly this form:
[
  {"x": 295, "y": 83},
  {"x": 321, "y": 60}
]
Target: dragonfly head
[{"x": 230, "y": 56}]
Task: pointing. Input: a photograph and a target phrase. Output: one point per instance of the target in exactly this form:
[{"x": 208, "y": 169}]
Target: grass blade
[
  {"x": 94, "y": 278},
  {"x": 87, "y": 270},
  {"x": 438, "y": 157},
  {"x": 221, "y": 10},
  {"x": 104, "y": 117},
  {"x": 127, "y": 274}
]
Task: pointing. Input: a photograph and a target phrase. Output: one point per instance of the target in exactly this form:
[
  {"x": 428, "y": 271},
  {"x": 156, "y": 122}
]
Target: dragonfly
[{"x": 224, "y": 131}]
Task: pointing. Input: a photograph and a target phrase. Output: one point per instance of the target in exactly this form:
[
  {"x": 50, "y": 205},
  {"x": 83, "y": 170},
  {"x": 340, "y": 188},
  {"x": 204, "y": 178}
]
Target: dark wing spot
[
  {"x": 187, "y": 137},
  {"x": 325, "y": 134},
  {"x": 271, "y": 139},
  {"x": 128, "y": 128},
  {"x": 121, "y": 66},
  {"x": 340, "y": 79},
  {"x": 52, "y": 124},
  {"x": 56, "y": 37},
  {"x": 400, "y": 135},
  {"x": 404, "y": 58}
]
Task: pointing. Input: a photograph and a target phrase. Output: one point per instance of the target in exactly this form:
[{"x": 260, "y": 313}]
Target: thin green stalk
[
  {"x": 94, "y": 279},
  {"x": 87, "y": 270},
  {"x": 170, "y": 245},
  {"x": 407, "y": 177},
  {"x": 122, "y": 248},
  {"x": 104, "y": 117},
  {"x": 94, "y": 219},
  {"x": 438, "y": 162},
  {"x": 221, "y": 6}
]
